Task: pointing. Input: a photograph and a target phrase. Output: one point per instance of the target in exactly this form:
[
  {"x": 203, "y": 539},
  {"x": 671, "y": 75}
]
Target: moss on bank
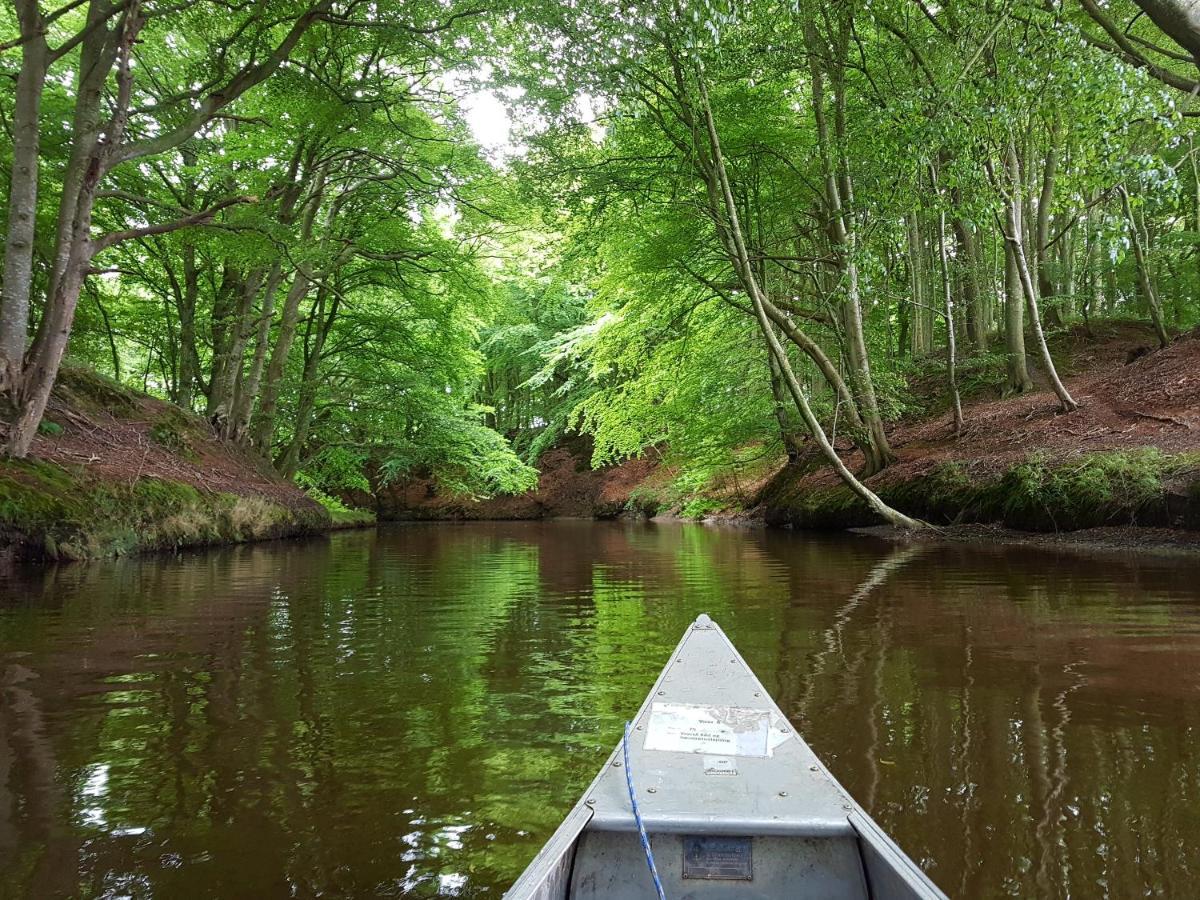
[
  {"x": 57, "y": 512},
  {"x": 1130, "y": 487}
]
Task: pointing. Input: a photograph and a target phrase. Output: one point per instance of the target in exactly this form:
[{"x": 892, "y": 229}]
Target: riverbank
[
  {"x": 115, "y": 472},
  {"x": 1128, "y": 456},
  {"x": 1126, "y": 461}
]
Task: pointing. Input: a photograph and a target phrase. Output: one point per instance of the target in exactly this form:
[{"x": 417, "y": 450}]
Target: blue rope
[{"x": 637, "y": 817}]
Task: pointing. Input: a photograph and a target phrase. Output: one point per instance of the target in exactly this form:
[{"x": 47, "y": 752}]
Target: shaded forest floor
[
  {"x": 1130, "y": 455},
  {"x": 114, "y": 471},
  {"x": 1129, "y": 397}
]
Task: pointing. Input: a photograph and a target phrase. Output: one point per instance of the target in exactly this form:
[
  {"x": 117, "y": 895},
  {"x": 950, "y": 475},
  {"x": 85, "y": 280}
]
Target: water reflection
[{"x": 411, "y": 711}]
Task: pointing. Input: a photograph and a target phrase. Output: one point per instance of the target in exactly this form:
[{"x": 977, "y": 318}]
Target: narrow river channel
[{"x": 411, "y": 711}]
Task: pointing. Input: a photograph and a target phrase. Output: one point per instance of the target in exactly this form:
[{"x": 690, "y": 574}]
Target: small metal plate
[
  {"x": 719, "y": 765},
  {"x": 723, "y": 858}
]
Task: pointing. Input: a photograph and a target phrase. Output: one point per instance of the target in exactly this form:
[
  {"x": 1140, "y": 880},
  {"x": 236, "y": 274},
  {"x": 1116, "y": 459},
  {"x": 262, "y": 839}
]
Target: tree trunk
[
  {"x": 289, "y": 463},
  {"x": 1143, "y": 271},
  {"x": 839, "y": 199},
  {"x": 1041, "y": 237},
  {"x": 791, "y": 442},
  {"x": 920, "y": 326},
  {"x": 976, "y": 318},
  {"x": 948, "y": 307},
  {"x": 247, "y": 388},
  {"x": 720, "y": 176},
  {"x": 74, "y": 249},
  {"x": 22, "y": 197},
  {"x": 227, "y": 361},
  {"x": 90, "y": 159},
  {"x": 1014, "y": 238},
  {"x": 1014, "y": 317},
  {"x": 264, "y": 419},
  {"x": 189, "y": 356}
]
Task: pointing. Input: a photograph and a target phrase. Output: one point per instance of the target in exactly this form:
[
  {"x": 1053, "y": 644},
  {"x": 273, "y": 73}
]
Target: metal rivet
[
  {"x": 783, "y": 793},
  {"x": 591, "y": 801},
  {"x": 757, "y": 694},
  {"x": 639, "y": 728},
  {"x": 733, "y": 660},
  {"x": 651, "y": 790},
  {"x": 847, "y": 806},
  {"x": 617, "y": 764},
  {"x": 814, "y": 768},
  {"x": 661, "y": 693}
]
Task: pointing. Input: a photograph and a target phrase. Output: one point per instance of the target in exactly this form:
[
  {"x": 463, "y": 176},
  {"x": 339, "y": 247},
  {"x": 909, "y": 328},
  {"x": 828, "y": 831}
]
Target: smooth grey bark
[
  {"x": 229, "y": 350},
  {"x": 289, "y": 463},
  {"x": 873, "y": 501},
  {"x": 22, "y": 196},
  {"x": 75, "y": 248},
  {"x": 1015, "y": 364},
  {"x": 1180, "y": 19},
  {"x": 97, "y": 147},
  {"x": 1143, "y": 270},
  {"x": 1014, "y": 238},
  {"x": 263, "y": 428},
  {"x": 976, "y": 309},
  {"x": 839, "y": 199},
  {"x": 1041, "y": 235},
  {"x": 920, "y": 317},
  {"x": 246, "y": 390},
  {"x": 948, "y": 312}
]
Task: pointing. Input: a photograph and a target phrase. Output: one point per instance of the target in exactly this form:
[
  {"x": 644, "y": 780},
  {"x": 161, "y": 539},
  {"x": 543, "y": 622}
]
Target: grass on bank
[
  {"x": 66, "y": 513},
  {"x": 1126, "y": 487}
]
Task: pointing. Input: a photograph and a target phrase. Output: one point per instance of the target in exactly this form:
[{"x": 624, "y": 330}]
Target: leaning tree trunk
[
  {"x": 840, "y": 200},
  {"x": 96, "y": 148},
  {"x": 746, "y": 269}
]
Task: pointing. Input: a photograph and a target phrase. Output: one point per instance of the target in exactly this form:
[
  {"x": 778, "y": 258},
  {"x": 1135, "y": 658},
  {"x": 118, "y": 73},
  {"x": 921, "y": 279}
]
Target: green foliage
[
  {"x": 463, "y": 456},
  {"x": 700, "y": 507},
  {"x": 1095, "y": 489},
  {"x": 452, "y": 313}
]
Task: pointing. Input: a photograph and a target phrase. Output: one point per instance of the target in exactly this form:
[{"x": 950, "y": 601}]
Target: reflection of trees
[
  {"x": 986, "y": 681},
  {"x": 374, "y": 711}
]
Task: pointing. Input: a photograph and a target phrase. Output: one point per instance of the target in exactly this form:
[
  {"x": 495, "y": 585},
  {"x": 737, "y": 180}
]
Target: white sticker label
[{"x": 715, "y": 730}]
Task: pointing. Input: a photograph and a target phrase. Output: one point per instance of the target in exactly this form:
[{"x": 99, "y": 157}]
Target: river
[{"x": 410, "y": 711}]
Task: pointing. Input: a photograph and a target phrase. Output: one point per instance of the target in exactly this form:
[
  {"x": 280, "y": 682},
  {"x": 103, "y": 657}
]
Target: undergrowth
[
  {"x": 65, "y": 513},
  {"x": 1127, "y": 487}
]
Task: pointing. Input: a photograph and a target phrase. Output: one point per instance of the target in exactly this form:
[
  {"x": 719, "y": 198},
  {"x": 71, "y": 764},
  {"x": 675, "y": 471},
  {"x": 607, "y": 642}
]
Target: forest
[{"x": 707, "y": 229}]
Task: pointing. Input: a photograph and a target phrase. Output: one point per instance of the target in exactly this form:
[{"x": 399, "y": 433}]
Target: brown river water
[{"x": 411, "y": 711}]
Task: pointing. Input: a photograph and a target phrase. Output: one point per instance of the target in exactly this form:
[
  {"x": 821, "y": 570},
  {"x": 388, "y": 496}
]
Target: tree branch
[{"x": 105, "y": 241}]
